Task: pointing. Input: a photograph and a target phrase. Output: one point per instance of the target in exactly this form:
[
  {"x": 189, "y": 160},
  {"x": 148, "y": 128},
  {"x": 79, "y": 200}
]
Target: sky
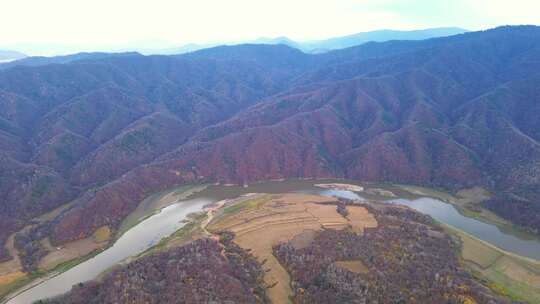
[{"x": 90, "y": 25}]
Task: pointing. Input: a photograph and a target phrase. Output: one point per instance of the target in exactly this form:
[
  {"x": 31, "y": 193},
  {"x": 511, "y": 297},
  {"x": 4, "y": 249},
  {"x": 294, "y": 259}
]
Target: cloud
[
  {"x": 107, "y": 23},
  {"x": 494, "y": 12},
  {"x": 110, "y": 21}
]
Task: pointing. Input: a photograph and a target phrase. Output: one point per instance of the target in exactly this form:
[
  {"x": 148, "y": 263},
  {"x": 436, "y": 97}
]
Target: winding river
[{"x": 150, "y": 231}]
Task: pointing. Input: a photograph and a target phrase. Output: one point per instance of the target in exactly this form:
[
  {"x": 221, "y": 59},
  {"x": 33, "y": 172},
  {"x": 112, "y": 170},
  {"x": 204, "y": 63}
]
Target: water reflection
[
  {"x": 136, "y": 240},
  {"x": 447, "y": 214}
]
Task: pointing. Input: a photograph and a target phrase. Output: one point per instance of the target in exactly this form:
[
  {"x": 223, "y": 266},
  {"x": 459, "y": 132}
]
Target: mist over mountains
[
  {"x": 309, "y": 46},
  {"x": 325, "y": 45},
  {"x": 7, "y": 56}
]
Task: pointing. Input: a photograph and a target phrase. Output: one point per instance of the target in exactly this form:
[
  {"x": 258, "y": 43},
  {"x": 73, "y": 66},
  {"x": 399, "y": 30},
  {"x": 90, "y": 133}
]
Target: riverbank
[
  {"x": 468, "y": 203},
  {"x": 506, "y": 273},
  {"x": 157, "y": 201},
  {"x": 12, "y": 277},
  {"x": 143, "y": 231},
  {"x": 68, "y": 256},
  {"x": 38, "y": 277}
]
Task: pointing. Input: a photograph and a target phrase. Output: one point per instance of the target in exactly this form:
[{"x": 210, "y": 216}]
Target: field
[
  {"x": 11, "y": 275},
  {"x": 73, "y": 250},
  {"x": 271, "y": 219},
  {"x": 477, "y": 252},
  {"x": 11, "y": 271},
  {"x": 70, "y": 254},
  {"x": 505, "y": 273},
  {"x": 13, "y": 265},
  {"x": 353, "y": 266},
  {"x": 9, "y": 280}
]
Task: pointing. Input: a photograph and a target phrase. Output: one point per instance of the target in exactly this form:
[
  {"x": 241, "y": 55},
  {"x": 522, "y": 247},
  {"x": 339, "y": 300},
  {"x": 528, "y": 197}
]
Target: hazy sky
[{"x": 107, "y": 24}]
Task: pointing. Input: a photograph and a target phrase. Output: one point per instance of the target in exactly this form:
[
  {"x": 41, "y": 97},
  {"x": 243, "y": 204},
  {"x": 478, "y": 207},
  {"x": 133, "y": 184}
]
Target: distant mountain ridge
[
  {"x": 312, "y": 46},
  {"x": 41, "y": 60},
  {"x": 325, "y": 45},
  {"x": 377, "y": 36},
  {"x": 7, "y": 55},
  {"x": 319, "y": 46}
]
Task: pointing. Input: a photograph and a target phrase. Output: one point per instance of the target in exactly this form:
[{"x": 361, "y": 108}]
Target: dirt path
[{"x": 210, "y": 213}]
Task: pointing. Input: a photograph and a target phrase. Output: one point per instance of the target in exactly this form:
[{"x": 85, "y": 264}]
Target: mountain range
[
  {"x": 102, "y": 133},
  {"x": 323, "y": 45},
  {"x": 7, "y": 56},
  {"x": 309, "y": 46}
]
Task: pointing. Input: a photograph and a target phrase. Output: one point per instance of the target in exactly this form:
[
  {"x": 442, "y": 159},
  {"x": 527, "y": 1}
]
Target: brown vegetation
[
  {"x": 514, "y": 276},
  {"x": 299, "y": 248},
  {"x": 68, "y": 252},
  {"x": 352, "y": 266},
  {"x": 274, "y": 219},
  {"x": 204, "y": 271},
  {"x": 104, "y": 132},
  {"x": 399, "y": 261}
]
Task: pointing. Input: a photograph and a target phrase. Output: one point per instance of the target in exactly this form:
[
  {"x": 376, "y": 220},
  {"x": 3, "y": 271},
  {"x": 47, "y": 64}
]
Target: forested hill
[{"x": 106, "y": 131}]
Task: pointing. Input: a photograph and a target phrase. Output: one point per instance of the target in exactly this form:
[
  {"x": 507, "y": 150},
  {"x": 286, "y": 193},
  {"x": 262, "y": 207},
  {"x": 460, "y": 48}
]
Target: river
[{"x": 150, "y": 231}]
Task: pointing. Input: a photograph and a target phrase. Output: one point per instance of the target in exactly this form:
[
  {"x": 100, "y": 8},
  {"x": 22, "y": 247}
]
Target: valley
[
  {"x": 509, "y": 274},
  {"x": 354, "y": 164},
  {"x": 299, "y": 227},
  {"x": 391, "y": 112}
]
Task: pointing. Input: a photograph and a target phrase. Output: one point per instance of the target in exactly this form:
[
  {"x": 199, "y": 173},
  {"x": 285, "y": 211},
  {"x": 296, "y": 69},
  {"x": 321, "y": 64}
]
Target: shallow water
[
  {"x": 150, "y": 231},
  {"x": 447, "y": 214},
  {"x": 136, "y": 240}
]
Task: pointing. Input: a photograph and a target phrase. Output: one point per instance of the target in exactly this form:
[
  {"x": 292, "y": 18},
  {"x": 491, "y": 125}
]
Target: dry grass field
[
  {"x": 478, "y": 252},
  {"x": 10, "y": 281},
  {"x": 517, "y": 277},
  {"x": 353, "y": 266},
  {"x": 10, "y": 271},
  {"x": 272, "y": 219},
  {"x": 73, "y": 250},
  {"x": 13, "y": 265},
  {"x": 11, "y": 277}
]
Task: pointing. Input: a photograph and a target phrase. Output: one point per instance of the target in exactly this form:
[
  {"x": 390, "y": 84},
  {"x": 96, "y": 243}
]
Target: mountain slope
[
  {"x": 42, "y": 60},
  {"x": 450, "y": 112},
  {"x": 80, "y": 125},
  {"x": 302, "y": 247}
]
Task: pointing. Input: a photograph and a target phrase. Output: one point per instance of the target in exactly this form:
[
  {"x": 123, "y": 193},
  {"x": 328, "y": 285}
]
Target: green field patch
[
  {"x": 5, "y": 289},
  {"x": 246, "y": 204},
  {"x": 505, "y": 273},
  {"x": 476, "y": 252}
]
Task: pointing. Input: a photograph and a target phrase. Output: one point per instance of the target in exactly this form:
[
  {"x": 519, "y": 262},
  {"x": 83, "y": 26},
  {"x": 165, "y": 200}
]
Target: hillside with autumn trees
[{"x": 103, "y": 132}]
